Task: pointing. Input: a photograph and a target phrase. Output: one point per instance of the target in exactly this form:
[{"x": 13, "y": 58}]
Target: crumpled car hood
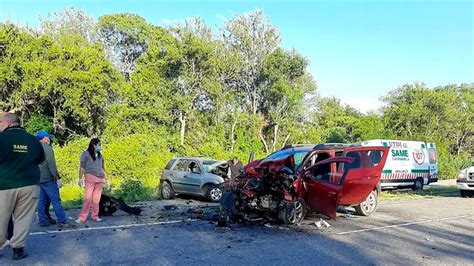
[{"x": 258, "y": 168}]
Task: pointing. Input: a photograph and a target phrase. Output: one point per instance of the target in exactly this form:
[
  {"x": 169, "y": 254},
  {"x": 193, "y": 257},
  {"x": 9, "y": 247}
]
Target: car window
[
  {"x": 432, "y": 155},
  {"x": 193, "y": 167},
  {"x": 170, "y": 164},
  {"x": 278, "y": 155},
  {"x": 324, "y": 173},
  {"x": 298, "y": 157},
  {"x": 373, "y": 158},
  {"x": 315, "y": 158},
  {"x": 357, "y": 163},
  {"x": 181, "y": 166}
]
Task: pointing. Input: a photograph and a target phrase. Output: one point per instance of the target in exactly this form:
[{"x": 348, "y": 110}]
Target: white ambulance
[{"x": 409, "y": 163}]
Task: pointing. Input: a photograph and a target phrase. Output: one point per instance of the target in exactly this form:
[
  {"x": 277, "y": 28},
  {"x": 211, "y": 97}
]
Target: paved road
[{"x": 433, "y": 231}]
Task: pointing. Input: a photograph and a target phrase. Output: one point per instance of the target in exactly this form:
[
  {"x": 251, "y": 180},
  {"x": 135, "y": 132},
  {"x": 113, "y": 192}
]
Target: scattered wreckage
[{"x": 285, "y": 185}]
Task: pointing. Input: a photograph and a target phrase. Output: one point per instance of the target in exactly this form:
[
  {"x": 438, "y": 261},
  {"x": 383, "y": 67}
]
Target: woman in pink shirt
[{"x": 92, "y": 167}]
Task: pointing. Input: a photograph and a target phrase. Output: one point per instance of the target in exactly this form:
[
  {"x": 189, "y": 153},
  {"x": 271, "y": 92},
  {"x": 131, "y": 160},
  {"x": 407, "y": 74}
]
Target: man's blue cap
[{"x": 43, "y": 133}]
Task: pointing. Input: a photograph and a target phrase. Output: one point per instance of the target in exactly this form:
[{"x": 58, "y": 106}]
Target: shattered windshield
[
  {"x": 299, "y": 156},
  {"x": 208, "y": 165}
]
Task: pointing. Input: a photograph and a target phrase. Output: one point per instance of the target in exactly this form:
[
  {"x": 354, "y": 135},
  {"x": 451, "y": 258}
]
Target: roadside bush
[
  {"x": 67, "y": 159},
  {"x": 449, "y": 164}
]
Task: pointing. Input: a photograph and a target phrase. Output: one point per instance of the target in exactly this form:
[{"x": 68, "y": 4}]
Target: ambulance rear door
[{"x": 433, "y": 162}]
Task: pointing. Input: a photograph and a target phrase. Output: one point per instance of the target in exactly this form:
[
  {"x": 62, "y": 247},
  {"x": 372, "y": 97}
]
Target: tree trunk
[
  {"x": 286, "y": 139},
  {"x": 263, "y": 141},
  {"x": 275, "y": 136},
  {"x": 182, "y": 120},
  {"x": 232, "y": 136}
]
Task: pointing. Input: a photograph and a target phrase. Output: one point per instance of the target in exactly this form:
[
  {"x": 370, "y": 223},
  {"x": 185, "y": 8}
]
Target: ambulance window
[{"x": 432, "y": 153}]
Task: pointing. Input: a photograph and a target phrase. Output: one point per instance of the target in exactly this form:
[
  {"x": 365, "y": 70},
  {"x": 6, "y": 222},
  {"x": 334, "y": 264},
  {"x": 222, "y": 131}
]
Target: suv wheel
[
  {"x": 368, "y": 206},
  {"x": 167, "y": 191},
  {"x": 293, "y": 213},
  {"x": 214, "y": 193}
]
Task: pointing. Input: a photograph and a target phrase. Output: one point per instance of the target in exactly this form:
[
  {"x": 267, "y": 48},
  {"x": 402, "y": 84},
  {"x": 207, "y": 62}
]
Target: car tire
[
  {"x": 214, "y": 193},
  {"x": 294, "y": 213},
  {"x": 418, "y": 185},
  {"x": 167, "y": 191},
  {"x": 465, "y": 193},
  {"x": 369, "y": 205}
]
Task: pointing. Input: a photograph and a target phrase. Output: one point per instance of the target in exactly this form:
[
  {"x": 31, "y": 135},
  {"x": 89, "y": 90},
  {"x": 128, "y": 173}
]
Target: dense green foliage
[{"x": 151, "y": 93}]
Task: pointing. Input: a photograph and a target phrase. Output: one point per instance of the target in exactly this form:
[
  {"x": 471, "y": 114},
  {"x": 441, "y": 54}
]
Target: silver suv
[{"x": 194, "y": 176}]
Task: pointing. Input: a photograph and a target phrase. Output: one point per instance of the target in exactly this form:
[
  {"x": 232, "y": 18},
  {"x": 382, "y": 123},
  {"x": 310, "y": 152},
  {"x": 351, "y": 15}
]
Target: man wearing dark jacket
[
  {"x": 49, "y": 189},
  {"x": 20, "y": 154}
]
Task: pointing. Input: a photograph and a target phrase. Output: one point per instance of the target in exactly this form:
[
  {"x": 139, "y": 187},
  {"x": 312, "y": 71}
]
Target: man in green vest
[{"x": 20, "y": 154}]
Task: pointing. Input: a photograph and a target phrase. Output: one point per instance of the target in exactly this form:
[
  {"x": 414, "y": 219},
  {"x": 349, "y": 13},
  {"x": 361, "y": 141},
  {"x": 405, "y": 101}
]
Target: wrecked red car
[{"x": 290, "y": 182}]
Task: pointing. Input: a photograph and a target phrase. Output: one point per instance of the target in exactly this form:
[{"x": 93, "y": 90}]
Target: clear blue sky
[{"x": 359, "y": 50}]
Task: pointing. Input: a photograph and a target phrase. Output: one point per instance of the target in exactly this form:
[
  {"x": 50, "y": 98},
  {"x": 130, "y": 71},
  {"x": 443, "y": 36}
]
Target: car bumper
[{"x": 465, "y": 185}]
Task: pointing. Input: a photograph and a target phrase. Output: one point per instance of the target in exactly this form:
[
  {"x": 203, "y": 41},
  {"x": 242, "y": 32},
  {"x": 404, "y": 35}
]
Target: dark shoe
[
  {"x": 18, "y": 253},
  {"x": 66, "y": 226},
  {"x": 45, "y": 225},
  {"x": 51, "y": 221}
]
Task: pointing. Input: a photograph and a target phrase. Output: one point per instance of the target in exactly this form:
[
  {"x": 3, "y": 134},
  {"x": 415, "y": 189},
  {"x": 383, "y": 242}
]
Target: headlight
[{"x": 462, "y": 174}]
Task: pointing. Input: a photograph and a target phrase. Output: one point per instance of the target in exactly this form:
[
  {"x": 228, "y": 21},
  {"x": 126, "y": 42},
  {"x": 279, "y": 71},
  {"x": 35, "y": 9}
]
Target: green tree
[{"x": 443, "y": 115}]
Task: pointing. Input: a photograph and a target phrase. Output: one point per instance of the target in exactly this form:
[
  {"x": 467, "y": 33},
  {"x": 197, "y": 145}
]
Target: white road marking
[
  {"x": 404, "y": 224},
  {"x": 109, "y": 227}
]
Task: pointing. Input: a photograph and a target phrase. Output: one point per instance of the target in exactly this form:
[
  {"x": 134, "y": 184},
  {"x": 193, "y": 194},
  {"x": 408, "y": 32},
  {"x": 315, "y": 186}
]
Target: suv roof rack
[
  {"x": 331, "y": 146},
  {"x": 325, "y": 146},
  {"x": 295, "y": 146}
]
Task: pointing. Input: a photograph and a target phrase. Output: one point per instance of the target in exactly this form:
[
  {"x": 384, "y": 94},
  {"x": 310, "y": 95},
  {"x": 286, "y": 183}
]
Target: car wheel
[
  {"x": 167, "y": 191},
  {"x": 294, "y": 213},
  {"x": 465, "y": 193},
  {"x": 418, "y": 185},
  {"x": 214, "y": 193},
  {"x": 369, "y": 205}
]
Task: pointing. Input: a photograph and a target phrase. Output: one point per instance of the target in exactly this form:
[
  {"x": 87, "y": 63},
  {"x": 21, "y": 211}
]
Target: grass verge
[{"x": 430, "y": 192}]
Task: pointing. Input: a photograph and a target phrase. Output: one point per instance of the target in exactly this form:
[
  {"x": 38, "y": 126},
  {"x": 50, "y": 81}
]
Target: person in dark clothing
[
  {"x": 20, "y": 154},
  {"x": 236, "y": 167}
]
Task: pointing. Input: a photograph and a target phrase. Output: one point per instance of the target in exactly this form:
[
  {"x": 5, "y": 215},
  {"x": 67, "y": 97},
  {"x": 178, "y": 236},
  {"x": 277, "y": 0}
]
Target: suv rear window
[
  {"x": 181, "y": 166},
  {"x": 170, "y": 163}
]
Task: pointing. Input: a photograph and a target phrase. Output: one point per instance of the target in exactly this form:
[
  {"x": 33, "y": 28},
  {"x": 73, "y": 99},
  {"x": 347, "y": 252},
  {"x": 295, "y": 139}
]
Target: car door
[
  {"x": 177, "y": 174},
  {"x": 322, "y": 192},
  {"x": 365, "y": 173},
  {"x": 193, "y": 177}
]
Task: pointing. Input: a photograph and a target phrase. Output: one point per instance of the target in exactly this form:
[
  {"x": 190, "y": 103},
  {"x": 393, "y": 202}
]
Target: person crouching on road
[
  {"x": 20, "y": 154},
  {"x": 92, "y": 167},
  {"x": 49, "y": 185}
]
